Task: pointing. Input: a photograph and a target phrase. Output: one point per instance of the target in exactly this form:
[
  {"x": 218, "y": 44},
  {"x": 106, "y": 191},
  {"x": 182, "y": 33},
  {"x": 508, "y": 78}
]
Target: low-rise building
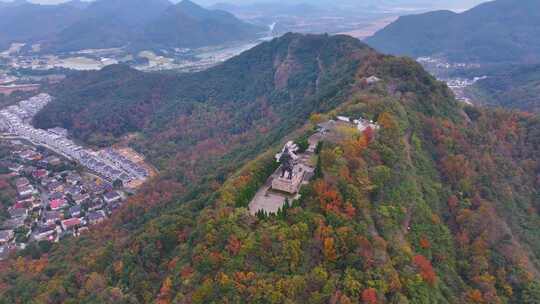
[
  {"x": 364, "y": 124},
  {"x": 114, "y": 206},
  {"x": 75, "y": 211},
  {"x": 372, "y": 79},
  {"x": 28, "y": 170},
  {"x": 73, "y": 179},
  {"x": 57, "y": 204},
  {"x": 20, "y": 205},
  {"x": 30, "y": 155},
  {"x": 45, "y": 182},
  {"x": 72, "y": 190},
  {"x": 325, "y": 127},
  {"x": 45, "y": 232},
  {"x": 4, "y": 252},
  {"x": 81, "y": 198},
  {"x": 6, "y": 236},
  {"x": 55, "y": 187},
  {"x": 13, "y": 223},
  {"x": 71, "y": 223},
  {"x": 59, "y": 131},
  {"x": 56, "y": 195},
  {"x": 22, "y": 182},
  {"x": 51, "y": 217},
  {"x": 26, "y": 191},
  {"x": 96, "y": 217},
  {"x": 18, "y": 213},
  {"x": 112, "y": 197},
  {"x": 343, "y": 119},
  {"x": 98, "y": 188},
  {"x": 26, "y": 200},
  {"x": 95, "y": 204},
  {"x": 40, "y": 174},
  {"x": 15, "y": 167},
  {"x": 53, "y": 160},
  {"x": 36, "y": 204}
]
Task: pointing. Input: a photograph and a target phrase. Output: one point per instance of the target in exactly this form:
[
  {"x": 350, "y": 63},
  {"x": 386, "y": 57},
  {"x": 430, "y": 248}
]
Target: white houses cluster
[{"x": 107, "y": 163}]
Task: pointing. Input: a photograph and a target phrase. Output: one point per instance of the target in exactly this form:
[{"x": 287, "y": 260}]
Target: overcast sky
[{"x": 439, "y": 3}]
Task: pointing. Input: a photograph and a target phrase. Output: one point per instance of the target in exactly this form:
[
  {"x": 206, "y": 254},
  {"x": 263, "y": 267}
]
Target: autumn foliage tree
[
  {"x": 329, "y": 249},
  {"x": 234, "y": 245},
  {"x": 475, "y": 296},
  {"x": 165, "y": 292},
  {"x": 425, "y": 268},
  {"x": 424, "y": 243},
  {"x": 328, "y": 196},
  {"x": 369, "y": 296}
]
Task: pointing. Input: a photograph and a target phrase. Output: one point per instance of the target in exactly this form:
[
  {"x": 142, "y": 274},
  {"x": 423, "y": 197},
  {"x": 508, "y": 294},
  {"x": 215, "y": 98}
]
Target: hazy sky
[{"x": 438, "y": 3}]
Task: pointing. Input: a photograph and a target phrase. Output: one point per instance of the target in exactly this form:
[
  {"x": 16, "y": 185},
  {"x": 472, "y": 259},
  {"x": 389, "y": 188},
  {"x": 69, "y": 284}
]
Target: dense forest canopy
[
  {"x": 276, "y": 86},
  {"x": 438, "y": 206},
  {"x": 514, "y": 87}
]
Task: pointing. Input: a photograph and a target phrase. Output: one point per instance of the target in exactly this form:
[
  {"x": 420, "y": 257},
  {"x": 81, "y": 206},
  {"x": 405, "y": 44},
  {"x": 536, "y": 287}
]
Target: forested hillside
[
  {"x": 514, "y": 87},
  {"x": 441, "y": 205},
  {"x": 493, "y": 32},
  {"x": 275, "y": 87}
]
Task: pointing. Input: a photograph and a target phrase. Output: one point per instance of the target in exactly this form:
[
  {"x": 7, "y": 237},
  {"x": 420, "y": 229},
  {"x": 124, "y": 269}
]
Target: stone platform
[
  {"x": 277, "y": 190},
  {"x": 290, "y": 186}
]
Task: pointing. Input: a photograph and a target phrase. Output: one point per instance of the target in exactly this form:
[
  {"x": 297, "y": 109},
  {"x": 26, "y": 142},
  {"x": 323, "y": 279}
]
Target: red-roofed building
[
  {"x": 40, "y": 173},
  {"x": 20, "y": 205},
  {"x": 71, "y": 223},
  {"x": 57, "y": 204}
]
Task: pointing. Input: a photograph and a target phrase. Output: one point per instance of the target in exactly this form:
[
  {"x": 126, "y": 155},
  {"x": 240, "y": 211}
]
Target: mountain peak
[
  {"x": 189, "y": 25},
  {"x": 188, "y": 3},
  {"x": 191, "y": 8},
  {"x": 483, "y": 34}
]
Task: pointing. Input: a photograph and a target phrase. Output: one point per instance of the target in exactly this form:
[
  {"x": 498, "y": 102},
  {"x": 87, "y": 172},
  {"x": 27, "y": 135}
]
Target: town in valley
[{"x": 54, "y": 188}]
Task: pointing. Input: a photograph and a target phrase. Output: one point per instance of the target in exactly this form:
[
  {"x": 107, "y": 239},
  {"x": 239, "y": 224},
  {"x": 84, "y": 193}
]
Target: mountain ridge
[
  {"x": 139, "y": 25},
  {"x": 32, "y": 23},
  {"x": 280, "y": 82},
  {"x": 108, "y": 24},
  {"x": 512, "y": 87},
  {"x": 189, "y": 25},
  {"x": 436, "y": 206},
  {"x": 493, "y": 32}
]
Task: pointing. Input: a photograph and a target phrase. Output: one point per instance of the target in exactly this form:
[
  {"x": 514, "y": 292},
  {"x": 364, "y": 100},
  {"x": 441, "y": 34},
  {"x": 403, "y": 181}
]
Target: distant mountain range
[
  {"x": 493, "y": 32},
  {"x": 114, "y": 23},
  {"x": 109, "y": 23},
  {"x": 399, "y": 4},
  {"x": 189, "y": 25},
  {"x": 269, "y": 9},
  {"x": 22, "y": 21}
]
